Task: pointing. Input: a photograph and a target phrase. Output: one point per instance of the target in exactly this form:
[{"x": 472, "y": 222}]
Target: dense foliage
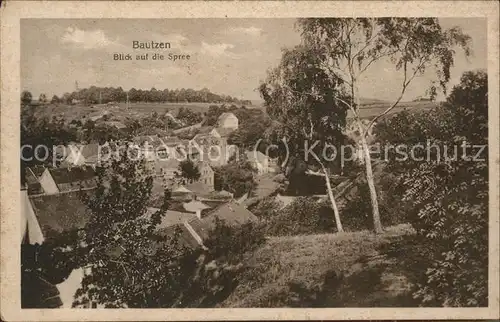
[
  {"x": 26, "y": 98},
  {"x": 236, "y": 177},
  {"x": 93, "y": 95},
  {"x": 346, "y": 48},
  {"x": 222, "y": 263},
  {"x": 303, "y": 216},
  {"x": 357, "y": 208},
  {"x": 213, "y": 113},
  {"x": 39, "y": 138},
  {"x": 188, "y": 171},
  {"x": 189, "y": 117},
  {"x": 448, "y": 193}
]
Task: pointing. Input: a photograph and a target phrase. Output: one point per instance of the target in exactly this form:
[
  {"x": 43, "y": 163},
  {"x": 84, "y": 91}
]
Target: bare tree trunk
[
  {"x": 336, "y": 213},
  {"x": 334, "y": 204},
  {"x": 377, "y": 225}
]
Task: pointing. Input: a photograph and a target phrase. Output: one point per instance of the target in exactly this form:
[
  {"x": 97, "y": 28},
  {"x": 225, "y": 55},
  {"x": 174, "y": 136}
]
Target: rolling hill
[{"x": 327, "y": 270}]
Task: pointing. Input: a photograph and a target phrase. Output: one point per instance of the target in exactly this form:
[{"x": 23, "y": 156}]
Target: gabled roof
[
  {"x": 256, "y": 156},
  {"x": 201, "y": 227},
  {"x": 231, "y": 212},
  {"x": 195, "y": 205},
  {"x": 182, "y": 189},
  {"x": 72, "y": 174},
  {"x": 223, "y": 132},
  {"x": 167, "y": 163},
  {"x": 61, "y": 212},
  {"x": 185, "y": 237},
  {"x": 170, "y": 218},
  {"x": 32, "y": 174},
  {"x": 226, "y": 115},
  {"x": 37, "y": 170}
]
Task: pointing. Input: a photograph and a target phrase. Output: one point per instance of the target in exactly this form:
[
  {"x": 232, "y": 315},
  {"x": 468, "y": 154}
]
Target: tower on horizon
[{"x": 76, "y": 86}]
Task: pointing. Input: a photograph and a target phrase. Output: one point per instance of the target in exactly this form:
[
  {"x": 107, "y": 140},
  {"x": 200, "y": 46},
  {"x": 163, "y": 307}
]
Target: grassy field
[
  {"x": 373, "y": 109},
  {"x": 139, "y": 110},
  {"x": 119, "y": 112},
  {"x": 329, "y": 270}
]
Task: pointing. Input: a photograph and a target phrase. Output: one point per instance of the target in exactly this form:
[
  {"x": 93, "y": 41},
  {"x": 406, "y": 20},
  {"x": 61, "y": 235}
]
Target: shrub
[
  {"x": 303, "y": 216},
  {"x": 357, "y": 212},
  {"x": 267, "y": 208},
  {"x": 231, "y": 243}
]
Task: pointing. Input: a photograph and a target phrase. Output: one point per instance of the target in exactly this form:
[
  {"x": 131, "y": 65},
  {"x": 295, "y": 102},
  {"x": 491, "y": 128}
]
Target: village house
[
  {"x": 79, "y": 155},
  {"x": 70, "y": 155},
  {"x": 213, "y": 149},
  {"x": 47, "y": 183},
  {"x": 260, "y": 162},
  {"x": 44, "y": 215},
  {"x": 196, "y": 229},
  {"x": 228, "y": 121},
  {"x": 167, "y": 170},
  {"x": 32, "y": 177},
  {"x": 74, "y": 178},
  {"x": 56, "y": 180},
  {"x": 221, "y": 132}
]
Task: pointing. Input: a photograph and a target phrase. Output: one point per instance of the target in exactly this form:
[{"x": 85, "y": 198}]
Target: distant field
[
  {"x": 138, "y": 110},
  {"x": 371, "y": 110},
  {"x": 120, "y": 112}
]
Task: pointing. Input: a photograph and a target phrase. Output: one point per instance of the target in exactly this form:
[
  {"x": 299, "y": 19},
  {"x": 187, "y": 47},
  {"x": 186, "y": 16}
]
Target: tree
[
  {"x": 304, "y": 216},
  {"x": 213, "y": 114},
  {"x": 301, "y": 99},
  {"x": 66, "y": 98},
  {"x": 42, "y": 98},
  {"x": 26, "y": 98},
  {"x": 448, "y": 193},
  {"x": 188, "y": 116},
  {"x": 349, "y": 47},
  {"x": 55, "y": 99},
  {"x": 250, "y": 131},
  {"x": 128, "y": 263},
  {"x": 235, "y": 177},
  {"x": 189, "y": 171},
  {"x": 39, "y": 137}
]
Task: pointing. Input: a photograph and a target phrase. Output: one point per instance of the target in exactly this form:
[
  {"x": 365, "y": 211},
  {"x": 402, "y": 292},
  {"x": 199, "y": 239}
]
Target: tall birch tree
[
  {"x": 348, "y": 48},
  {"x": 300, "y": 99}
]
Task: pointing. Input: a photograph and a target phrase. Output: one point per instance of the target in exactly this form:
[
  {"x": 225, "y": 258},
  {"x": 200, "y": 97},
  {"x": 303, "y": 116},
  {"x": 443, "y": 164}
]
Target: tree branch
[{"x": 403, "y": 90}]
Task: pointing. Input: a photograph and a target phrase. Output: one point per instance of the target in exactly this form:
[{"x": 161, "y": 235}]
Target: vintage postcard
[{"x": 249, "y": 160}]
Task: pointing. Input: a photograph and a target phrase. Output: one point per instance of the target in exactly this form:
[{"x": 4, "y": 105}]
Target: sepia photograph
[{"x": 313, "y": 162}]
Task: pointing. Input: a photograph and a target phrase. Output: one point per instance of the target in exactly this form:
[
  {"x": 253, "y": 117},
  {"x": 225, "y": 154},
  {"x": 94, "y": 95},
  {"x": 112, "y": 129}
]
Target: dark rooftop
[
  {"x": 61, "y": 212},
  {"x": 73, "y": 174}
]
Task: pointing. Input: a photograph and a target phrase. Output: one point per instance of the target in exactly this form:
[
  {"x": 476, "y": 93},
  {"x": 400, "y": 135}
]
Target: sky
[{"x": 227, "y": 56}]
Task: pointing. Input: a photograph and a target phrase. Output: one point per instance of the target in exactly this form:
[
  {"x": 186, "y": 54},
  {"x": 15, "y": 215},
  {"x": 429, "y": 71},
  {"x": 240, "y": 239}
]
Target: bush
[
  {"x": 357, "y": 212},
  {"x": 235, "y": 177},
  {"x": 303, "y": 216},
  {"x": 222, "y": 263},
  {"x": 231, "y": 243},
  {"x": 267, "y": 208},
  {"x": 448, "y": 194}
]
